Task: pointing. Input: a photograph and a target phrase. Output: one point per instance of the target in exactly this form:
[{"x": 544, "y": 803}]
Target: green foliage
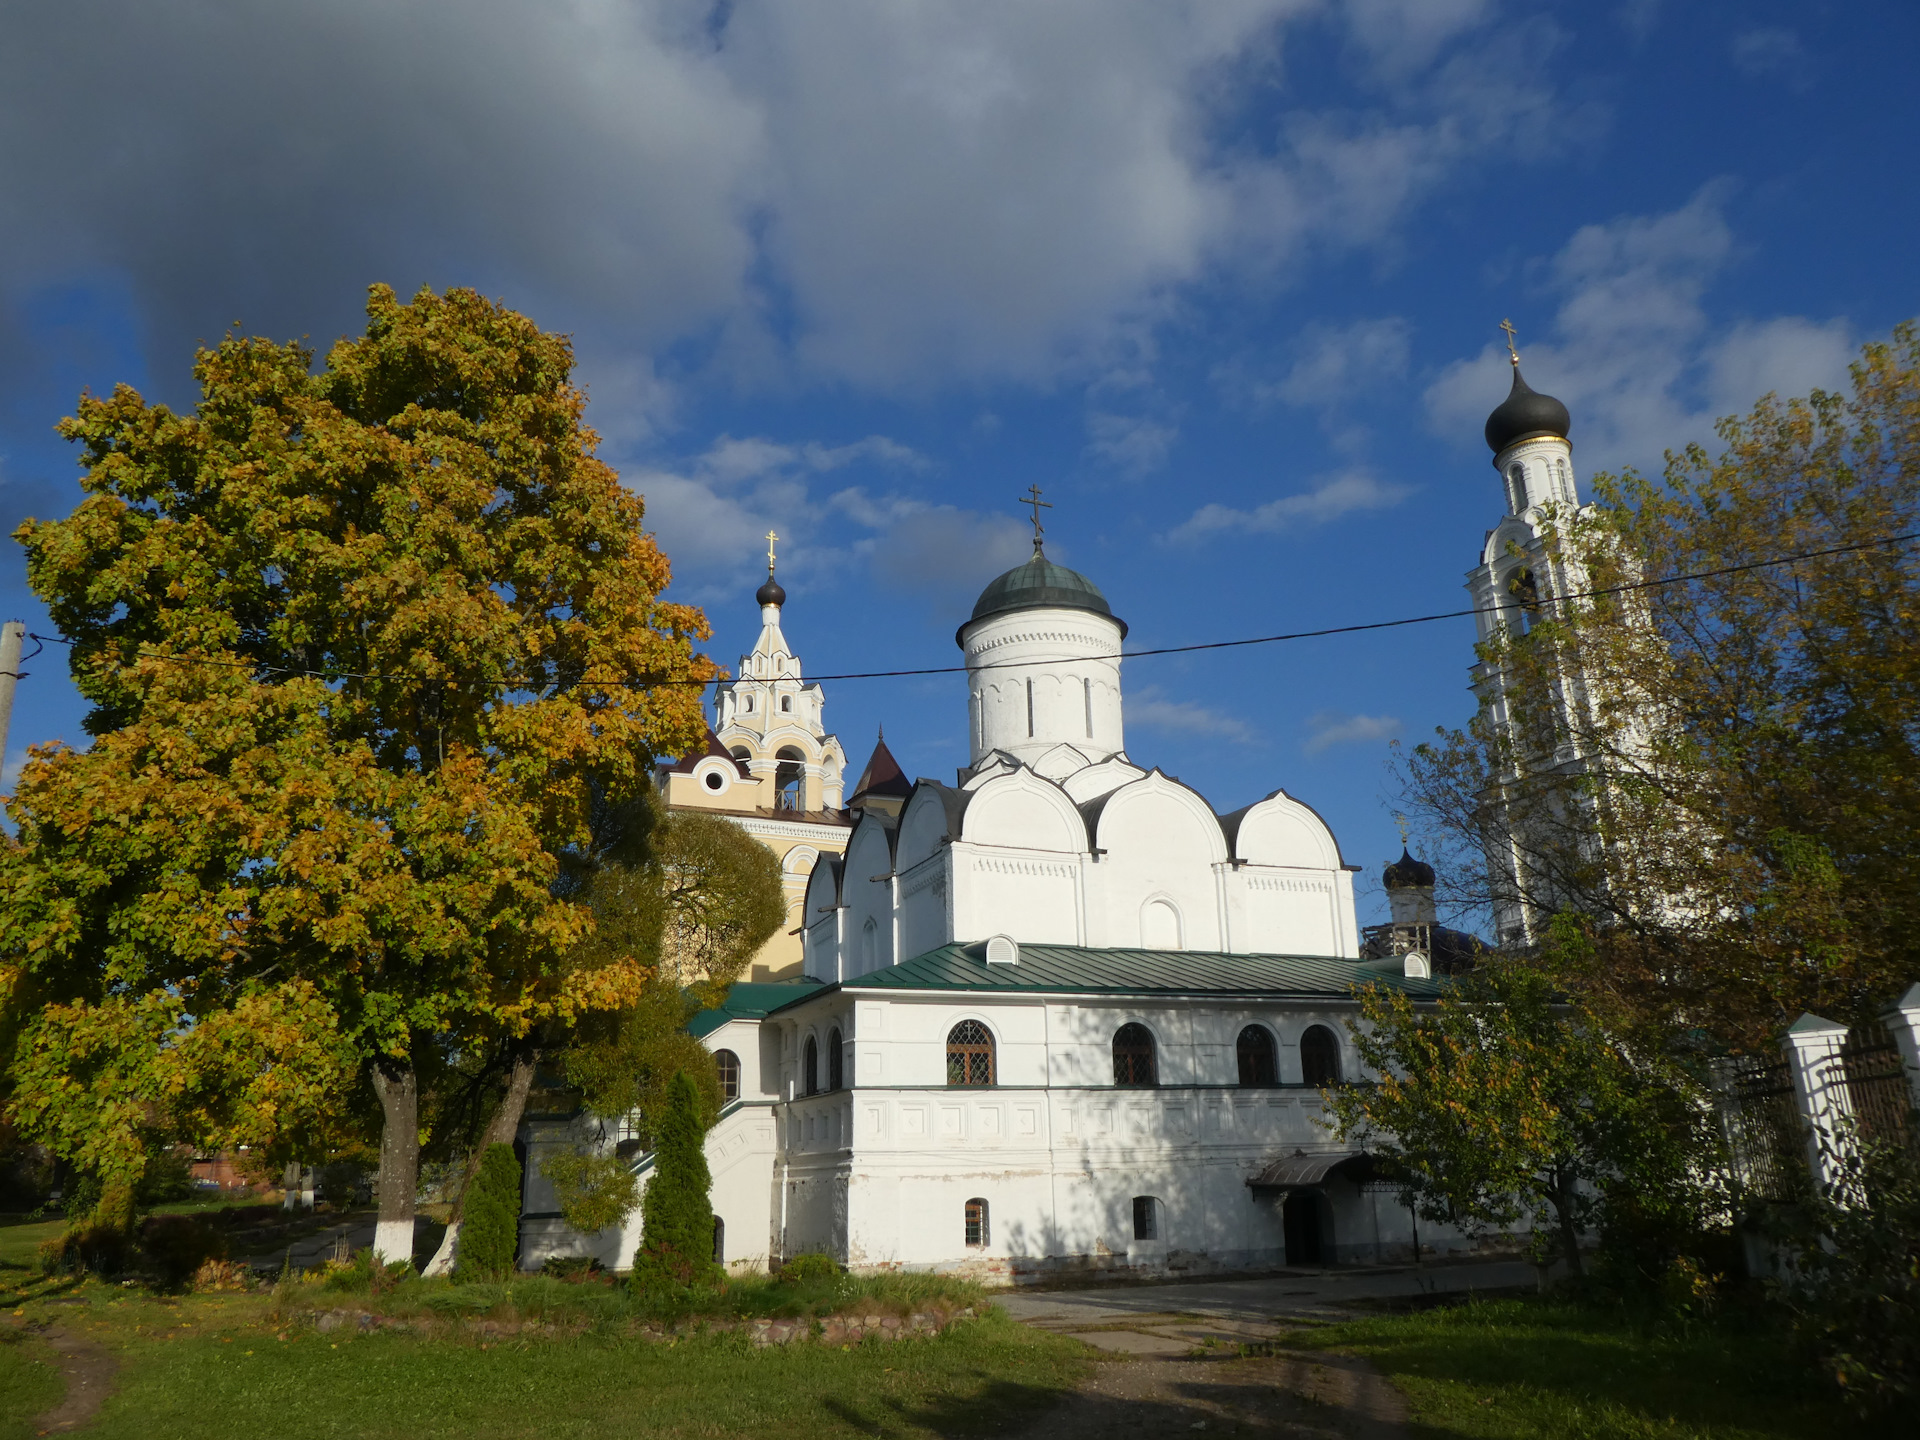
[
  {"x": 676, "y": 1229},
  {"x": 490, "y": 1219},
  {"x": 808, "y": 1266},
  {"x": 1504, "y": 1104},
  {"x": 594, "y": 1191},
  {"x": 175, "y": 1246},
  {"x": 1856, "y": 1300}
]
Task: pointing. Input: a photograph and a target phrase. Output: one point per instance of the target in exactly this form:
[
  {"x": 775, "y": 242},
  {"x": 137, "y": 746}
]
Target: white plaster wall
[
  {"x": 1076, "y": 649},
  {"x": 867, "y": 898},
  {"x": 1161, "y": 843},
  {"x": 1031, "y": 895}
]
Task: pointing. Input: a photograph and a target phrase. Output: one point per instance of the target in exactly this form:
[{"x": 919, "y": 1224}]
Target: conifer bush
[
  {"x": 676, "y": 1228},
  {"x": 490, "y": 1220}
]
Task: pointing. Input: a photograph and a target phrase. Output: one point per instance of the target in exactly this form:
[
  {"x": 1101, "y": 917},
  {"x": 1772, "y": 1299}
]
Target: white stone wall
[{"x": 1026, "y": 708}]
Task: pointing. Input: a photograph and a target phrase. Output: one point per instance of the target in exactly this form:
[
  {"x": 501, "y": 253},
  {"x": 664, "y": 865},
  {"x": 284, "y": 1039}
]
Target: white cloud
[
  {"x": 1131, "y": 444},
  {"x": 1633, "y": 351},
  {"x": 1401, "y": 36},
  {"x": 1331, "y": 728},
  {"x": 944, "y": 554},
  {"x": 1334, "y": 497},
  {"x": 1770, "y": 52},
  {"x": 1149, "y": 707}
]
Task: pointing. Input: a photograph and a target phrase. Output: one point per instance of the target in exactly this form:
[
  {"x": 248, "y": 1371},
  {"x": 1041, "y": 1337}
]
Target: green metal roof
[
  {"x": 1041, "y": 584},
  {"x": 1082, "y": 969},
  {"x": 751, "y": 1002}
]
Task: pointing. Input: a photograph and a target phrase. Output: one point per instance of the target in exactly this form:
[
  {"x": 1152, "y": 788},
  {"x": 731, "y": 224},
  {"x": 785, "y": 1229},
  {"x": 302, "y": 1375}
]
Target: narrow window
[
  {"x": 969, "y": 1054},
  {"x": 786, "y": 703},
  {"x": 1256, "y": 1055},
  {"x": 836, "y": 1071},
  {"x": 1087, "y": 688},
  {"x": 1516, "y": 489},
  {"x": 812, "y": 1074},
  {"x": 1146, "y": 1224},
  {"x": 749, "y": 704},
  {"x": 1029, "y": 709},
  {"x": 1133, "y": 1059},
  {"x": 977, "y": 1233},
  {"x": 869, "y": 946},
  {"x": 1319, "y": 1056},
  {"x": 728, "y": 1064},
  {"x": 719, "y": 1241}
]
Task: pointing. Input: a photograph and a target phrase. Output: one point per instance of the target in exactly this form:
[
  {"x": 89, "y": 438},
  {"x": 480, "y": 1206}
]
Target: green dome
[{"x": 1041, "y": 585}]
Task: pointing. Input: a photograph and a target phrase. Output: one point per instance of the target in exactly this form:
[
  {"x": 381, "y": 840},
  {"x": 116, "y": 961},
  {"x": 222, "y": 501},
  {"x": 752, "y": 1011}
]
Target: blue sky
[{"x": 1221, "y": 277}]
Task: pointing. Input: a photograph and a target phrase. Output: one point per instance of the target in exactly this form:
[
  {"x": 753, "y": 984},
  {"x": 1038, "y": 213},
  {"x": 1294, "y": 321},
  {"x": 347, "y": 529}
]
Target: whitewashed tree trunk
[{"x": 399, "y": 1090}]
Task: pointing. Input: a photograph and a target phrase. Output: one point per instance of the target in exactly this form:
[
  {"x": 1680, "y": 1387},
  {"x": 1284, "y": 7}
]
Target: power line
[{"x": 660, "y": 682}]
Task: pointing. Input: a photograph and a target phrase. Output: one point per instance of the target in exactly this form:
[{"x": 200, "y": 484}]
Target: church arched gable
[
  {"x": 932, "y": 816},
  {"x": 1280, "y": 830},
  {"x": 1024, "y": 811},
  {"x": 868, "y": 895},
  {"x": 1157, "y": 815}
]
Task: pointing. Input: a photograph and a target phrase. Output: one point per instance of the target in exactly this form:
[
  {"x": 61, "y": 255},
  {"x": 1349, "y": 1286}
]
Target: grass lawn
[
  {"x": 216, "y": 1366},
  {"x": 1525, "y": 1369}
]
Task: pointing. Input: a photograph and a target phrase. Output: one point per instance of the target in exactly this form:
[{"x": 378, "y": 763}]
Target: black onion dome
[
  {"x": 770, "y": 593},
  {"x": 1041, "y": 585},
  {"x": 1524, "y": 414},
  {"x": 1407, "y": 873}
]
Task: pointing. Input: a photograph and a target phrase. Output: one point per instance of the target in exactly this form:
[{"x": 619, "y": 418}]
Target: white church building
[{"x": 1060, "y": 1014}]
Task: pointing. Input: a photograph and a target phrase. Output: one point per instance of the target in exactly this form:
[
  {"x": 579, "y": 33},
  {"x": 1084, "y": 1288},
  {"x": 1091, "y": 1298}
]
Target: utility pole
[{"x": 12, "y": 635}]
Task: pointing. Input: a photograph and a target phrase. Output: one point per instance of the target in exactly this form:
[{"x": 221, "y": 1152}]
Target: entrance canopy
[{"x": 1303, "y": 1171}]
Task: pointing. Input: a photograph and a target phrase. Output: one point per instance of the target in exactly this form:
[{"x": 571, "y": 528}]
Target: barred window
[
  {"x": 1254, "y": 1049},
  {"x": 1146, "y": 1223},
  {"x": 977, "y": 1232},
  {"x": 1133, "y": 1059},
  {"x": 836, "y": 1065},
  {"x": 812, "y": 1072},
  {"x": 969, "y": 1054},
  {"x": 728, "y": 1064},
  {"x": 1319, "y": 1056}
]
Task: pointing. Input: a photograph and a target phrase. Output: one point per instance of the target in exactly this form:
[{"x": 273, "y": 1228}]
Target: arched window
[
  {"x": 812, "y": 1073},
  {"x": 1516, "y": 489},
  {"x": 969, "y": 1054},
  {"x": 836, "y": 1070},
  {"x": 786, "y": 704},
  {"x": 1319, "y": 1056},
  {"x": 870, "y": 945},
  {"x": 1146, "y": 1218},
  {"x": 719, "y": 1241},
  {"x": 1254, "y": 1050},
  {"x": 1159, "y": 926},
  {"x": 728, "y": 1064},
  {"x": 1133, "y": 1057},
  {"x": 977, "y": 1231}
]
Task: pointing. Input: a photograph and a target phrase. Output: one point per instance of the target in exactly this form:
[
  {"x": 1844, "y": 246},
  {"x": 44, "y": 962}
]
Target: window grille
[
  {"x": 1319, "y": 1057},
  {"x": 1133, "y": 1057},
  {"x": 1145, "y": 1222},
  {"x": 836, "y": 1065},
  {"x": 969, "y": 1054},
  {"x": 728, "y": 1064},
  {"x": 1258, "y": 1063},
  {"x": 977, "y": 1232}
]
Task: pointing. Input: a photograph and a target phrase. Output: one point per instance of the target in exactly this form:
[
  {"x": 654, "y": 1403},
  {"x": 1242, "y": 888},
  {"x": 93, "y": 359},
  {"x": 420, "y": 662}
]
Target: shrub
[
  {"x": 809, "y": 1266},
  {"x": 676, "y": 1226},
  {"x": 101, "y": 1249},
  {"x": 574, "y": 1269},
  {"x": 490, "y": 1219},
  {"x": 175, "y": 1246}
]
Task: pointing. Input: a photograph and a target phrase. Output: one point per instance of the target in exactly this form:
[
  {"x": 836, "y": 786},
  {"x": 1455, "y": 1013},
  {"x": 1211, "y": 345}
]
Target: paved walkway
[{"x": 1289, "y": 1295}]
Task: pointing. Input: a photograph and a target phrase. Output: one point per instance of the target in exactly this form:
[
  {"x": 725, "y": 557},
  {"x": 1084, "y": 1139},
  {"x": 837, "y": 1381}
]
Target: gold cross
[
  {"x": 1401, "y": 821},
  {"x": 1507, "y": 325},
  {"x": 771, "y": 537},
  {"x": 1038, "y": 505}
]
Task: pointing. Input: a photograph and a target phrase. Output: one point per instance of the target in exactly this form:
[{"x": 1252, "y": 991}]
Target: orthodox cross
[
  {"x": 1038, "y": 505},
  {"x": 1401, "y": 821},
  {"x": 771, "y": 537},
  {"x": 1507, "y": 325}
]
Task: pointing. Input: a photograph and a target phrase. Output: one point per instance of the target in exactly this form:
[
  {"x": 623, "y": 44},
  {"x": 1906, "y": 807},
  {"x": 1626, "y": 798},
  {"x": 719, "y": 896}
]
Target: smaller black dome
[
  {"x": 1407, "y": 873},
  {"x": 1526, "y": 413},
  {"x": 770, "y": 593}
]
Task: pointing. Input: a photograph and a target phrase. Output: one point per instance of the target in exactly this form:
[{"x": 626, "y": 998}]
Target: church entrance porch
[{"x": 1306, "y": 1227}]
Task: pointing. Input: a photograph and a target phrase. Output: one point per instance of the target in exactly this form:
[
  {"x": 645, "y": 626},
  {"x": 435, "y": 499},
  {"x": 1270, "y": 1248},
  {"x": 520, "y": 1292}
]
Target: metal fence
[
  {"x": 1877, "y": 1089},
  {"x": 1763, "y": 1127}
]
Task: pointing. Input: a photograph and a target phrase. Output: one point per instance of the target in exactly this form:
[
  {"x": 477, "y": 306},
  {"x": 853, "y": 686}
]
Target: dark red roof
[
  {"x": 883, "y": 776},
  {"x": 685, "y": 764}
]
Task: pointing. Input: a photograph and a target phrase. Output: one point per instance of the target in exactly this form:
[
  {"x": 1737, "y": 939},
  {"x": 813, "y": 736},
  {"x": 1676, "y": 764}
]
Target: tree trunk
[
  {"x": 398, "y": 1087},
  {"x": 1562, "y": 1196},
  {"x": 501, "y": 1130}
]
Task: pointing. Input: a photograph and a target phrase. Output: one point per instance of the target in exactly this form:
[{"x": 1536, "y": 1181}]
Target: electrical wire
[{"x": 662, "y": 682}]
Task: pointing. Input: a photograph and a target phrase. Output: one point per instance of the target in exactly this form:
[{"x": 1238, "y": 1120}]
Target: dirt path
[
  {"x": 88, "y": 1369},
  {"x": 1170, "y": 1374}
]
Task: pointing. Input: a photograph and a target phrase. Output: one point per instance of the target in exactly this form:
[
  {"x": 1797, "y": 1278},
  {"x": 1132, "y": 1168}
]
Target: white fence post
[
  {"x": 1820, "y": 1088},
  {"x": 1903, "y": 1023}
]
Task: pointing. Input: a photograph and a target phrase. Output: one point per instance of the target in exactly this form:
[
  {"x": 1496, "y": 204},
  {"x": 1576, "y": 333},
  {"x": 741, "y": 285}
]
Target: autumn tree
[
  {"x": 1501, "y": 1104},
  {"x": 362, "y": 644},
  {"x": 1712, "y": 765}
]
